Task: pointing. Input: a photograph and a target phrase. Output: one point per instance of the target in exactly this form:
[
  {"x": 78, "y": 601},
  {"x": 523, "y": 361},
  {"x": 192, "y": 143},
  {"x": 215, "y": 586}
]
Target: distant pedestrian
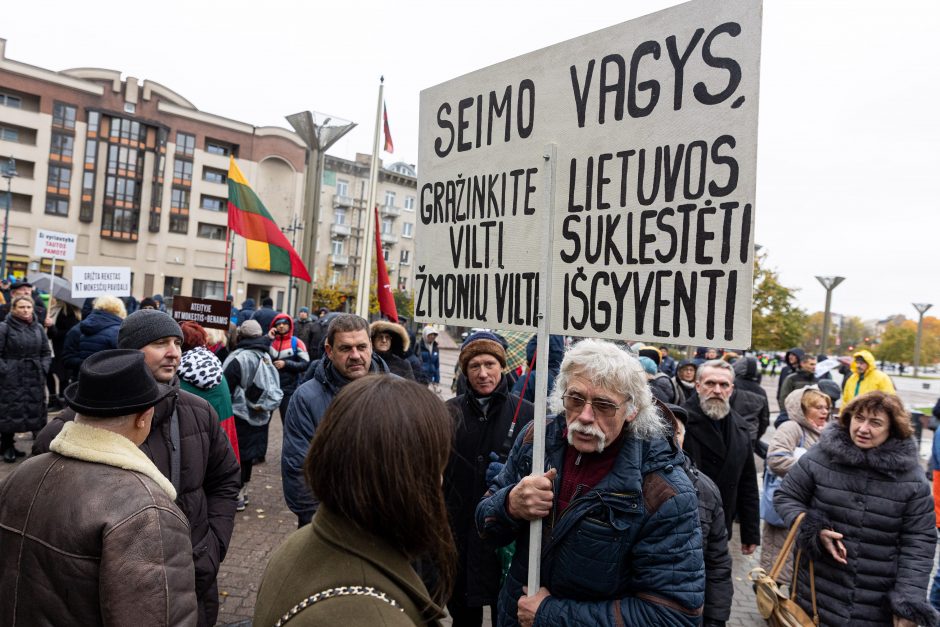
[
  {"x": 64, "y": 317},
  {"x": 96, "y": 332},
  {"x": 25, "y": 359},
  {"x": 303, "y": 326},
  {"x": 865, "y": 378},
  {"x": 799, "y": 378},
  {"x": 252, "y": 415},
  {"x": 430, "y": 355},
  {"x": 667, "y": 364},
  {"x": 102, "y": 541},
  {"x": 265, "y": 316},
  {"x": 290, "y": 358},
  {"x": 246, "y": 311},
  {"x": 390, "y": 342}
]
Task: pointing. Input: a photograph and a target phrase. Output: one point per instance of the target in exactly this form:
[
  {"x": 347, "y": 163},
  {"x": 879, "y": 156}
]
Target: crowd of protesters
[{"x": 410, "y": 509}]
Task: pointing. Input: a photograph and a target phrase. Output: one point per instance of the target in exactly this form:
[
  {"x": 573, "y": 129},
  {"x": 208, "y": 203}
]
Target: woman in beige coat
[{"x": 809, "y": 410}]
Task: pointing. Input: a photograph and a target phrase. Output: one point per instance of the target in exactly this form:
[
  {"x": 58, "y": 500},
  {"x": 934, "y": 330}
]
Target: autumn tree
[
  {"x": 897, "y": 342},
  {"x": 776, "y": 321}
]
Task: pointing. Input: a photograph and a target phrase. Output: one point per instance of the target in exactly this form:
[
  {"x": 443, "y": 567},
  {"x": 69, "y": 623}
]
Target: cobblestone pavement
[{"x": 266, "y": 522}]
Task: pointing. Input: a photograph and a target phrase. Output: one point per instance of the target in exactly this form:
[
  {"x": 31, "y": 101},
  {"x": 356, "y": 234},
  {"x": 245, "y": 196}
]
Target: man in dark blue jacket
[
  {"x": 622, "y": 543},
  {"x": 347, "y": 357}
]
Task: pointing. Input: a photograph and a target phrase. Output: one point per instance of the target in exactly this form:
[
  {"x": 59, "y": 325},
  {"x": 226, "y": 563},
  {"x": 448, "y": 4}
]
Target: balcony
[
  {"x": 342, "y": 201},
  {"x": 339, "y": 260},
  {"x": 389, "y": 238},
  {"x": 391, "y": 211},
  {"x": 340, "y": 230}
]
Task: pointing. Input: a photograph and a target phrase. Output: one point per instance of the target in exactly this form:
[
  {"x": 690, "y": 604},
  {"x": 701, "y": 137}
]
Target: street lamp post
[
  {"x": 8, "y": 174},
  {"x": 318, "y": 135},
  {"x": 921, "y": 310},
  {"x": 830, "y": 283}
]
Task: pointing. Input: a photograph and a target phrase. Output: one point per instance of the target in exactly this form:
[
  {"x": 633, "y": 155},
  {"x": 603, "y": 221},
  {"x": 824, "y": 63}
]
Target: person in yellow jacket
[{"x": 865, "y": 378}]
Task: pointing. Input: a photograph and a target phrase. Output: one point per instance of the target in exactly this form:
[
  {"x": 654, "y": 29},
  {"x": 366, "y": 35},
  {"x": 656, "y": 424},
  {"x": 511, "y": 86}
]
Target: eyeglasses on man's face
[{"x": 602, "y": 408}]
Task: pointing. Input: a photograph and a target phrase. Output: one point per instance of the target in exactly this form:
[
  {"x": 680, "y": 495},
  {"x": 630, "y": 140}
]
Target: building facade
[{"x": 139, "y": 175}]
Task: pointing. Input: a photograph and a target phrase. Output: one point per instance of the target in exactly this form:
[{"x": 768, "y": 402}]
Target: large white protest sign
[
  {"x": 655, "y": 126},
  {"x": 89, "y": 281},
  {"x": 54, "y": 244}
]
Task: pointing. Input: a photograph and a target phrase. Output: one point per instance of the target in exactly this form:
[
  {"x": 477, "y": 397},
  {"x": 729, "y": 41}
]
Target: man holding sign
[{"x": 622, "y": 543}]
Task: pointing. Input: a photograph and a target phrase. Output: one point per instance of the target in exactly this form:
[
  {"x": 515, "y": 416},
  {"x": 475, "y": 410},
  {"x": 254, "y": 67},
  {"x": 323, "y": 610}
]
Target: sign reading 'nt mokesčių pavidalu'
[{"x": 655, "y": 126}]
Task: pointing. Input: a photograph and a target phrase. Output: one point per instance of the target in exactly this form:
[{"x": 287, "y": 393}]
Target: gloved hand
[{"x": 493, "y": 470}]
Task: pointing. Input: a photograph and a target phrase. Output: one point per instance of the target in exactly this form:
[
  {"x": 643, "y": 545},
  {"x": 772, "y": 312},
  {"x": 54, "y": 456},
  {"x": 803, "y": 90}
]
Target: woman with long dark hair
[{"x": 375, "y": 464}]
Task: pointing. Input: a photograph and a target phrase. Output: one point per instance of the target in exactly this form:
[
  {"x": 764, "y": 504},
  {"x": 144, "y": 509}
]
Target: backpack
[{"x": 264, "y": 390}]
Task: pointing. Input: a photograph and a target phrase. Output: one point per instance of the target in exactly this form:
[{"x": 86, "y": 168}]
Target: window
[
  {"x": 402, "y": 283},
  {"x": 62, "y": 146},
  {"x": 63, "y": 115},
  {"x": 59, "y": 180},
  {"x": 119, "y": 222},
  {"x": 172, "y": 286},
  {"x": 182, "y": 171},
  {"x": 407, "y": 229},
  {"x": 342, "y": 187},
  {"x": 88, "y": 182},
  {"x": 385, "y": 252},
  {"x": 336, "y": 247},
  {"x": 91, "y": 152},
  {"x": 214, "y": 147},
  {"x": 128, "y": 130},
  {"x": 213, "y": 203},
  {"x": 9, "y": 134},
  {"x": 57, "y": 206},
  {"x": 389, "y": 199},
  {"x": 122, "y": 191},
  {"x": 94, "y": 119},
  {"x": 179, "y": 223},
  {"x": 124, "y": 161},
  {"x": 185, "y": 144},
  {"x": 208, "y": 289},
  {"x": 334, "y": 278},
  {"x": 9, "y": 100},
  {"x": 213, "y": 175},
  {"x": 339, "y": 216},
  {"x": 211, "y": 231},
  {"x": 410, "y": 203},
  {"x": 386, "y": 226},
  {"x": 179, "y": 198},
  {"x": 405, "y": 257}
]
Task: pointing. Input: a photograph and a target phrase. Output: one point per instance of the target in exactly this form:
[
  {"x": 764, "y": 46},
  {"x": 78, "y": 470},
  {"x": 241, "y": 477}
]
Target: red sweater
[{"x": 583, "y": 471}]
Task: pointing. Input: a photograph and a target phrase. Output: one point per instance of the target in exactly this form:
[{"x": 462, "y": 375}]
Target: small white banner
[
  {"x": 100, "y": 281},
  {"x": 54, "y": 244}
]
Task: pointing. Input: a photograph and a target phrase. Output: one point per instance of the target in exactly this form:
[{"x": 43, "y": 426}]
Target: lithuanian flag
[{"x": 267, "y": 248}]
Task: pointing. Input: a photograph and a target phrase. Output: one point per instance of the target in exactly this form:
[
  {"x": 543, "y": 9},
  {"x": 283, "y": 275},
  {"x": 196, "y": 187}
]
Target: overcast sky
[{"x": 849, "y": 137}]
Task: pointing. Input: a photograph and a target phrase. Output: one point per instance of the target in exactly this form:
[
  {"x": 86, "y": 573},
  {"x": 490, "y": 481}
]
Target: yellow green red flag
[{"x": 266, "y": 246}]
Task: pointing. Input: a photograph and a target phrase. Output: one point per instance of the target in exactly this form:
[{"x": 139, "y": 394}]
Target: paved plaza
[{"x": 266, "y": 521}]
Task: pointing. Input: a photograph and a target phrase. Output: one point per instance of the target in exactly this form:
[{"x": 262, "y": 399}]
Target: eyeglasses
[
  {"x": 724, "y": 385},
  {"x": 602, "y": 408}
]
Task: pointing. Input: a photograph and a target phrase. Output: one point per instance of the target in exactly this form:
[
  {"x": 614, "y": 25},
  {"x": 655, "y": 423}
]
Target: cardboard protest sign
[
  {"x": 54, "y": 244},
  {"x": 655, "y": 126},
  {"x": 90, "y": 281},
  {"x": 211, "y": 314}
]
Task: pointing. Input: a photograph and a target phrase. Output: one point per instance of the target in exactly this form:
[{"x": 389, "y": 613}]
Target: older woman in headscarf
[{"x": 809, "y": 410}]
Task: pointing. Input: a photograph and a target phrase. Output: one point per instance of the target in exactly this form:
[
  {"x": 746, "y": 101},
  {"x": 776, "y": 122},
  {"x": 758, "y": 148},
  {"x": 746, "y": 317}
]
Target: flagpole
[
  {"x": 365, "y": 267},
  {"x": 228, "y": 262}
]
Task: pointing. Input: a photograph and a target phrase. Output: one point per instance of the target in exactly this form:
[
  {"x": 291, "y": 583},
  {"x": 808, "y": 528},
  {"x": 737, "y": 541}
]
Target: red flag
[
  {"x": 383, "y": 286},
  {"x": 389, "y": 146}
]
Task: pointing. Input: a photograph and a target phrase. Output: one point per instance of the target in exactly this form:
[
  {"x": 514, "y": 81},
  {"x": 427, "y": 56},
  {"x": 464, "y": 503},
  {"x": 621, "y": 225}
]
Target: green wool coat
[{"x": 329, "y": 553}]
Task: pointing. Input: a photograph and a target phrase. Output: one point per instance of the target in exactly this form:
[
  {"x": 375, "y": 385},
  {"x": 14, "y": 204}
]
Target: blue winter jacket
[
  {"x": 246, "y": 311},
  {"x": 556, "y": 352},
  {"x": 628, "y": 552},
  {"x": 304, "y": 413},
  {"x": 99, "y": 331},
  {"x": 430, "y": 361}
]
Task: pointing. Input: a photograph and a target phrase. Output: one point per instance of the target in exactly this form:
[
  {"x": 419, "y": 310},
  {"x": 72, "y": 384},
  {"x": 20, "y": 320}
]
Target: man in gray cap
[
  {"x": 89, "y": 533},
  {"x": 188, "y": 447}
]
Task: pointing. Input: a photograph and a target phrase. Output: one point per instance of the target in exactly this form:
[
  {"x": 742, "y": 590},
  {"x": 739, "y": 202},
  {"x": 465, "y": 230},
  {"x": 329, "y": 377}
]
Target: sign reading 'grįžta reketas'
[{"x": 653, "y": 128}]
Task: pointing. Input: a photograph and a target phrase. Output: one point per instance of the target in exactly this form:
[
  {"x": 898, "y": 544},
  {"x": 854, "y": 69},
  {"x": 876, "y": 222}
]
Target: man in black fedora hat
[
  {"x": 89, "y": 533},
  {"x": 188, "y": 447}
]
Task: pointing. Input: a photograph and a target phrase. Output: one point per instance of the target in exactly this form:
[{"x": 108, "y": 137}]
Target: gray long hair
[{"x": 608, "y": 366}]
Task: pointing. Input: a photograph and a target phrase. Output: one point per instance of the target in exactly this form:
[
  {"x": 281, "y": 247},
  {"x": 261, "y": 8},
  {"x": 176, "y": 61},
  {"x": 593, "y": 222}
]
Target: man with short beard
[{"x": 718, "y": 441}]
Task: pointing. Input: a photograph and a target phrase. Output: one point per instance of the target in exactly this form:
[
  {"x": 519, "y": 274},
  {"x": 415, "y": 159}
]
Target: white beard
[
  {"x": 715, "y": 408},
  {"x": 576, "y": 427}
]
